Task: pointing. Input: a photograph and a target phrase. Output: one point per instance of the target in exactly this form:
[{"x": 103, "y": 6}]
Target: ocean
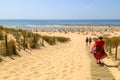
[{"x": 45, "y": 23}]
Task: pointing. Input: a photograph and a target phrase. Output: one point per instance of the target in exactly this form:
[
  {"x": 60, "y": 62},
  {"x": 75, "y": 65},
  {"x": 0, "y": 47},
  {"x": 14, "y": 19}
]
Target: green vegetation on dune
[
  {"x": 49, "y": 40},
  {"x": 62, "y": 39},
  {"x": 0, "y": 59},
  {"x": 34, "y": 43},
  {"x": 53, "y": 40},
  {"x": 23, "y": 39}
]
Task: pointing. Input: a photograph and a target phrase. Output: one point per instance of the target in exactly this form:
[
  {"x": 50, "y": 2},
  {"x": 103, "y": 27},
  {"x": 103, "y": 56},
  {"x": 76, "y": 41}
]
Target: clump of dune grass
[
  {"x": 31, "y": 40},
  {"x": 8, "y": 30},
  {"x": 1, "y": 35},
  {"x": 34, "y": 43},
  {"x": 27, "y": 39},
  {"x": 49, "y": 39},
  {"x": 2, "y": 48},
  {"x": 11, "y": 48},
  {"x": 1, "y": 60},
  {"x": 53, "y": 40},
  {"x": 62, "y": 39}
]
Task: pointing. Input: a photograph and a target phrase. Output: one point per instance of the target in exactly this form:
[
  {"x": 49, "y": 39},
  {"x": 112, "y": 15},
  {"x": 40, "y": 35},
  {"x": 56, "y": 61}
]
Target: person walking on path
[
  {"x": 98, "y": 50},
  {"x": 87, "y": 41},
  {"x": 90, "y": 40}
]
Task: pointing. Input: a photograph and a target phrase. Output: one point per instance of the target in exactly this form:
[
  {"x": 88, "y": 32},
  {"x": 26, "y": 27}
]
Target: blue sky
[{"x": 60, "y": 9}]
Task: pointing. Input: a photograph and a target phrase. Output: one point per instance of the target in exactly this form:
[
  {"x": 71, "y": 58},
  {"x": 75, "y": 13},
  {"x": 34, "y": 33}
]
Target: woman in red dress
[{"x": 98, "y": 50}]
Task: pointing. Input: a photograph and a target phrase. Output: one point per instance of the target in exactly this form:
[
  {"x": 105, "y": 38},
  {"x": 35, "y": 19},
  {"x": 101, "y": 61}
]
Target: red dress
[{"x": 99, "y": 52}]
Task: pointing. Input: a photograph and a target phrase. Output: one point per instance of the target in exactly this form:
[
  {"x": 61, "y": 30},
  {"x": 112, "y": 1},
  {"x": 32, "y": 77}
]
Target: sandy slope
[{"x": 60, "y": 62}]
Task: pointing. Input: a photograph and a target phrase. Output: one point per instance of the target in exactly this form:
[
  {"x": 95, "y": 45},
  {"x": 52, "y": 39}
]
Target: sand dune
[
  {"x": 60, "y": 62},
  {"x": 69, "y": 61}
]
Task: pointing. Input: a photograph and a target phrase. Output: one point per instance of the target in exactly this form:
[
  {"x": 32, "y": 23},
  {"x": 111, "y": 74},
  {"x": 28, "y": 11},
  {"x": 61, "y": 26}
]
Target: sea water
[{"x": 20, "y": 23}]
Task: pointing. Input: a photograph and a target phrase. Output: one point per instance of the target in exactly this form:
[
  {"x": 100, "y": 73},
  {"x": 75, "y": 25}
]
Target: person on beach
[
  {"x": 98, "y": 50},
  {"x": 90, "y": 40},
  {"x": 87, "y": 41}
]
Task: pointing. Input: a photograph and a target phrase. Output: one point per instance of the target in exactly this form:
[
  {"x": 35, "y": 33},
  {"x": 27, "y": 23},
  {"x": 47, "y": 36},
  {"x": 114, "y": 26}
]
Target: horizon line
[{"x": 59, "y": 19}]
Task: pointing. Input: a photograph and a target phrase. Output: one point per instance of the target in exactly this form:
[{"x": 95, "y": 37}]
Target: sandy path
[{"x": 60, "y": 62}]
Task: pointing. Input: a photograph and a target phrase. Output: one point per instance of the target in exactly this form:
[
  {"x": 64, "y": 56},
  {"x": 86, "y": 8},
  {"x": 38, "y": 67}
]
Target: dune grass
[
  {"x": 49, "y": 40},
  {"x": 2, "y": 48},
  {"x": 24, "y": 39},
  {"x": 34, "y": 43},
  {"x": 62, "y": 39},
  {"x": 1, "y": 35},
  {"x": 1, "y": 59},
  {"x": 19, "y": 34},
  {"x": 12, "y": 48},
  {"x": 53, "y": 40}
]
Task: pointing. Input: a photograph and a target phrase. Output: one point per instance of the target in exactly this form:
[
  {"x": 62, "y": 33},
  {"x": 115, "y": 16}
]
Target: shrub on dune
[
  {"x": 50, "y": 40},
  {"x": 1, "y": 35},
  {"x": 62, "y": 39},
  {"x": 34, "y": 41},
  {"x": 0, "y": 59},
  {"x": 11, "y": 48},
  {"x": 2, "y": 49}
]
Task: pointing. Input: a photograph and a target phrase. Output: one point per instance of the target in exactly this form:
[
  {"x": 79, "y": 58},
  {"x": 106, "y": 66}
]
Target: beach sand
[{"x": 69, "y": 61}]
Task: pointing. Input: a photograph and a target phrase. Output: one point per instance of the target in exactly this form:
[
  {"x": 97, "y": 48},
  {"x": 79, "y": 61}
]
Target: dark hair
[{"x": 100, "y": 37}]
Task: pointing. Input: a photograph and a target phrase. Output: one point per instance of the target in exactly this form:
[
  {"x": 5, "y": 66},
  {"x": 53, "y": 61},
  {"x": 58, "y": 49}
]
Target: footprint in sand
[
  {"x": 27, "y": 79},
  {"x": 12, "y": 72},
  {"x": 67, "y": 78},
  {"x": 63, "y": 75},
  {"x": 36, "y": 72},
  {"x": 71, "y": 71},
  {"x": 17, "y": 74},
  {"x": 25, "y": 65},
  {"x": 32, "y": 68},
  {"x": 39, "y": 75},
  {"x": 52, "y": 67},
  {"x": 43, "y": 67},
  {"x": 29, "y": 75},
  {"x": 6, "y": 77},
  {"x": 66, "y": 66},
  {"x": 17, "y": 78},
  {"x": 47, "y": 73},
  {"x": 39, "y": 64},
  {"x": 8, "y": 66},
  {"x": 64, "y": 71},
  {"x": 79, "y": 66},
  {"x": 72, "y": 68},
  {"x": 3, "y": 69},
  {"x": 51, "y": 78}
]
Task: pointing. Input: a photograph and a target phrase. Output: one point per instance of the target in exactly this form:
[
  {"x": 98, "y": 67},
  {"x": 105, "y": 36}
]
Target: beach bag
[
  {"x": 94, "y": 49},
  {"x": 97, "y": 50}
]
